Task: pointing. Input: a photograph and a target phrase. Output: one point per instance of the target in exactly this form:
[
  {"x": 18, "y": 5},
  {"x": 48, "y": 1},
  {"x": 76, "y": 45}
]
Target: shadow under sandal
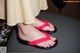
[{"x": 44, "y": 25}]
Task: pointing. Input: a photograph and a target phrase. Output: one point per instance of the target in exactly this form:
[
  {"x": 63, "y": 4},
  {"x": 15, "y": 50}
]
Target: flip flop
[
  {"x": 44, "y": 25},
  {"x": 40, "y": 40},
  {"x": 33, "y": 43}
]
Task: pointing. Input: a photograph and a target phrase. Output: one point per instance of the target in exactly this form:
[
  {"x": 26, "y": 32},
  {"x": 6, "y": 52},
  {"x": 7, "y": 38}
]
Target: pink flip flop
[
  {"x": 34, "y": 42},
  {"x": 44, "y": 25},
  {"x": 40, "y": 40}
]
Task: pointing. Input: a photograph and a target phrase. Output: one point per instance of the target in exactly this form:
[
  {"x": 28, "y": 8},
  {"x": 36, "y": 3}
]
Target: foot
[
  {"x": 30, "y": 33},
  {"x": 39, "y": 23}
]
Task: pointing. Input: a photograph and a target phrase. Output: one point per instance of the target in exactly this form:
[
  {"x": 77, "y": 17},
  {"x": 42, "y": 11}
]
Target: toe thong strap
[
  {"x": 40, "y": 40},
  {"x": 46, "y": 23}
]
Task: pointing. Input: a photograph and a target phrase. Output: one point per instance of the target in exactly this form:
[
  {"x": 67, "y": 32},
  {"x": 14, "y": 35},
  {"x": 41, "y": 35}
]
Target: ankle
[
  {"x": 20, "y": 24},
  {"x": 23, "y": 27}
]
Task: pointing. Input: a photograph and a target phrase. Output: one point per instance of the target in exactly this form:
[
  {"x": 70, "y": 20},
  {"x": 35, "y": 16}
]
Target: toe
[
  {"x": 50, "y": 42},
  {"x": 47, "y": 43},
  {"x": 47, "y": 28},
  {"x": 51, "y": 27},
  {"x": 53, "y": 38},
  {"x": 43, "y": 44}
]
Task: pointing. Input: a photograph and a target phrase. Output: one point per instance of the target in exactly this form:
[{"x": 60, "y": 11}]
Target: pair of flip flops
[{"x": 34, "y": 42}]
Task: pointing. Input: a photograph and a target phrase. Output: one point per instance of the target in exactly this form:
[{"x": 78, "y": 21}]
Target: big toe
[
  {"x": 53, "y": 38},
  {"x": 47, "y": 28},
  {"x": 52, "y": 28}
]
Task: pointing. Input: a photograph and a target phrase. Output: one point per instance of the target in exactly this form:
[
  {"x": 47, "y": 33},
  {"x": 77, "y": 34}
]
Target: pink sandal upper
[
  {"x": 40, "y": 40},
  {"x": 44, "y": 25}
]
